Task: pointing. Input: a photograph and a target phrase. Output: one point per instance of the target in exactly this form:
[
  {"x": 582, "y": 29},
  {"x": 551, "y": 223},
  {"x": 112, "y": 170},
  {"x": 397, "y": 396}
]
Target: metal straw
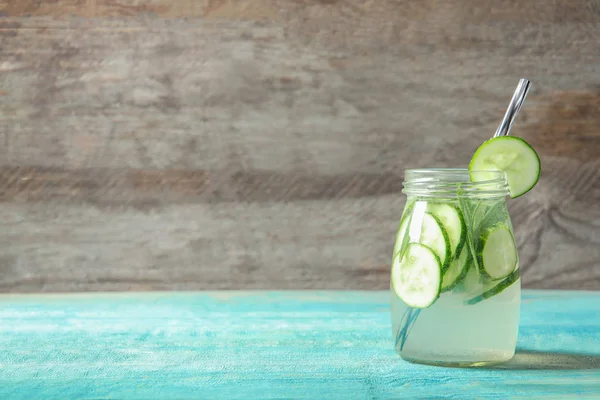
[{"x": 513, "y": 108}]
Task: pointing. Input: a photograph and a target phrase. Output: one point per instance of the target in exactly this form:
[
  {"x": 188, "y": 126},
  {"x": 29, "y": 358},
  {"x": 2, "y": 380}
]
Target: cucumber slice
[
  {"x": 429, "y": 231},
  {"x": 494, "y": 290},
  {"x": 401, "y": 235},
  {"x": 417, "y": 277},
  {"x": 457, "y": 270},
  {"x": 497, "y": 254},
  {"x": 512, "y": 155},
  {"x": 423, "y": 227},
  {"x": 402, "y": 228},
  {"x": 454, "y": 224}
]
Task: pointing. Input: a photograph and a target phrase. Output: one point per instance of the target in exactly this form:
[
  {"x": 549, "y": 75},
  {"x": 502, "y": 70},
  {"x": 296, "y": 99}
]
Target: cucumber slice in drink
[
  {"x": 512, "y": 155},
  {"x": 423, "y": 227},
  {"x": 433, "y": 235},
  {"x": 457, "y": 270},
  {"x": 496, "y": 289},
  {"x": 497, "y": 253},
  {"x": 454, "y": 224},
  {"x": 417, "y": 277},
  {"x": 402, "y": 228},
  {"x": 401, "y": 235}
]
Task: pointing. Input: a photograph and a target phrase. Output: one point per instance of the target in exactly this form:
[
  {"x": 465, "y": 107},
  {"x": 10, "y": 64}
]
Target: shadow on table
[{"x": 541, "y": 360}]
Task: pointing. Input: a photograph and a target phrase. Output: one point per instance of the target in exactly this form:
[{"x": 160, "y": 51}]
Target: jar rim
[{"x": 451, "y": 182}]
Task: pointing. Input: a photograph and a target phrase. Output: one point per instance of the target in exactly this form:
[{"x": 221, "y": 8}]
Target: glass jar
[{"x": 455, "y": 287}]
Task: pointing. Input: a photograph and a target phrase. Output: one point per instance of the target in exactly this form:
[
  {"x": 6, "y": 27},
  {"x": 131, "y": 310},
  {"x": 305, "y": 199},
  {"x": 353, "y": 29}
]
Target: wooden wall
[{"x": 159, "y": 144}]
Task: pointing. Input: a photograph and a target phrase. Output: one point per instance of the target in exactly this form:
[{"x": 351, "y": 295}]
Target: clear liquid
[{"x": 451, "y": 331}]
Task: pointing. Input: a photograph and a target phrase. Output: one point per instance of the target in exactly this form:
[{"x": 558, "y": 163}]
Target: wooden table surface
[{"x": 263, "y": 345}]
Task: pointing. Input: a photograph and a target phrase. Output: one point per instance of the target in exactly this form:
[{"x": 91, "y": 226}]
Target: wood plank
[
  {"x": 114, "y": 235},
  {"x": 139, "y": 188},
  {"x": 488, "y": 10},
  {"x": 239, "y": 345},
  {"x": 209, "y": 111},
  {"x": 226, "y": 245}
]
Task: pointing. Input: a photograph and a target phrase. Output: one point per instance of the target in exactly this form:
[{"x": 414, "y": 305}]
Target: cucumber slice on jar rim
[{"x": 510, "y": 154}]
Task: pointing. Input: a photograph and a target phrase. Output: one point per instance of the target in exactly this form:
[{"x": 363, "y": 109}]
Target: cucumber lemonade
[{"x": 455, "y": 280}]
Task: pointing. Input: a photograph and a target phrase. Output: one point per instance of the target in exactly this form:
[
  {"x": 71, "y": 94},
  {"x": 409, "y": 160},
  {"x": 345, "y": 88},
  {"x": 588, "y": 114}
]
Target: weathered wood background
[{"x": 159, "y": 144}]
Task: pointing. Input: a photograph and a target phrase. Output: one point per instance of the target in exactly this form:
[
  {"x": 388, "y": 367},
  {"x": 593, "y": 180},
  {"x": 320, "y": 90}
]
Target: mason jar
[{"x": 455, "y": 281}]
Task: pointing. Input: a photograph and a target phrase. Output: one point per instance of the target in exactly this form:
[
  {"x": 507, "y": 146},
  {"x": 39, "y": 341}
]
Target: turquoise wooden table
[{"x": 267, "y": 345}]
